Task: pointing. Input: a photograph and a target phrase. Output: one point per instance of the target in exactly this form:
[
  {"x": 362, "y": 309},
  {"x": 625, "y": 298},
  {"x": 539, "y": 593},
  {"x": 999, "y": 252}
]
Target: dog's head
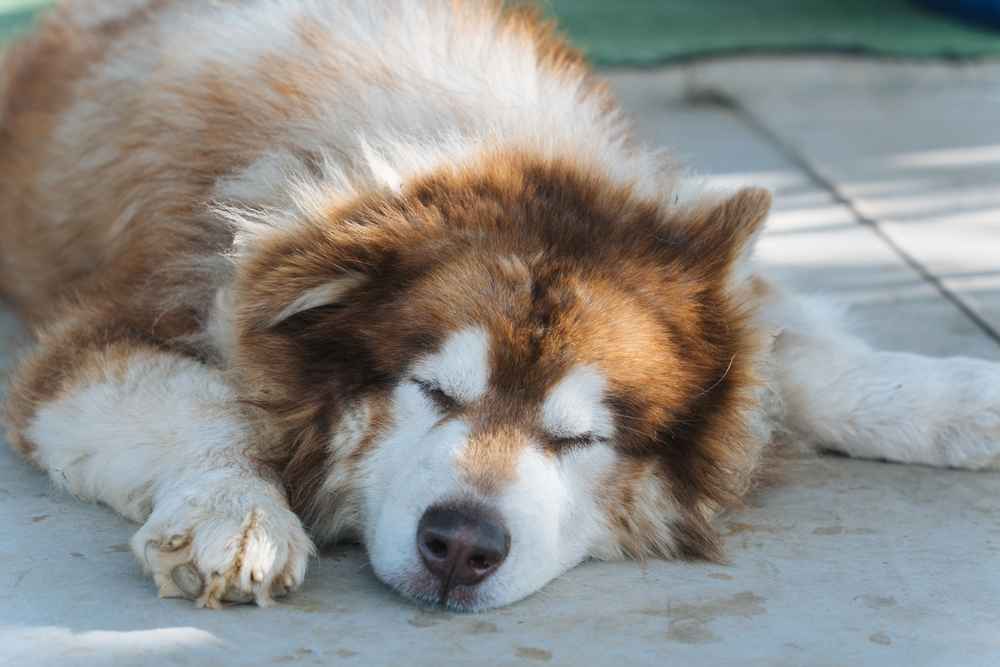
[{"x": 501, "y": 371}]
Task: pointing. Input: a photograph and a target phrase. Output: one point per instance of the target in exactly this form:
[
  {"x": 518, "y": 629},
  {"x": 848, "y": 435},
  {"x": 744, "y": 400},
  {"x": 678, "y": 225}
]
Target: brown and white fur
[{"x": 303, "y": 270}]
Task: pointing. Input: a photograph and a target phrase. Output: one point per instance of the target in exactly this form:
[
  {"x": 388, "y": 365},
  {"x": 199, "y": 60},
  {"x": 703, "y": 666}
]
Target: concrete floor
[{"x": 886, "y": 186}]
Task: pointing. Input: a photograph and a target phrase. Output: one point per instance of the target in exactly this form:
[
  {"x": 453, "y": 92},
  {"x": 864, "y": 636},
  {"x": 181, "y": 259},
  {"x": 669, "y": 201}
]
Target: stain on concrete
[
  {"x": 427, "y": 619},
  {"x": 482, "y": 628},
  {"x": 840, "y": 530},
  {"x": 738, "y": 528},
  {"x": 880, "y": 638},
  {"x": 690, "y": 632},
  {"x": 20, "y": 577},
  {"x": 877, "y": 601},
  {"x": 722, "y": 576},
  {"x": 536, "y": 654},
  {"x": 744, "y": 604},
  {"x": 306, "y": 604},
  {"x": 298, "y": 655},
  {"x": 689, "y": 621},
  {"x": 76, "y": 554},
  {"x": 346, "y": 653},
  {"x": 765, "y": 568},
  {"x": 38, "y": 518},
  {"x": 119, "y": 548}
]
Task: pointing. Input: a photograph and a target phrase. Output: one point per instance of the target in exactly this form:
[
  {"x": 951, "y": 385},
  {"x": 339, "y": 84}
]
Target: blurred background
[{"x": 648, "y": 32}]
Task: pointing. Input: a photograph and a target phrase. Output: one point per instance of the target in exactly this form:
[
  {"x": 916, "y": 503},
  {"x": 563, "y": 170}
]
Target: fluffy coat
[{"x": 305, "y": 266}]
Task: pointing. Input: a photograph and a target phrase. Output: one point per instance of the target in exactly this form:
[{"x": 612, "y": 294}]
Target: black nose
[{"x": 461, "y": 545}]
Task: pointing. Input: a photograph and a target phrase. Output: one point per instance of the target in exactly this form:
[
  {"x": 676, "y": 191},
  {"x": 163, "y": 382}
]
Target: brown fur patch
[
  {"x": 489, "y": 459},
  {"x": 38, "y": 79}
]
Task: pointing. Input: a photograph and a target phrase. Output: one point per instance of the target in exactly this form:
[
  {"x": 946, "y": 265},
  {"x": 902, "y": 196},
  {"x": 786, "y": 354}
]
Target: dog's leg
[
  {"x": 839, "y": 393},
  {"x": 160, "y": 438}
]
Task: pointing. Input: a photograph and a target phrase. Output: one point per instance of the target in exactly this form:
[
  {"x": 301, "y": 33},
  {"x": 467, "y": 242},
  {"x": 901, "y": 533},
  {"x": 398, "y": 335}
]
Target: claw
[
  {"x": 188, "y": 580},
  {"x": 168, "y": 589},
  {"x": 174, "y": 543},
  {"x": 236, "y": 596}
]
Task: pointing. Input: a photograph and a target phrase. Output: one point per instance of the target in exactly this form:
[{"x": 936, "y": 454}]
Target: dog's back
[
  {"x": 123, "y": 119},
  {"x": 53, "y": 223}
]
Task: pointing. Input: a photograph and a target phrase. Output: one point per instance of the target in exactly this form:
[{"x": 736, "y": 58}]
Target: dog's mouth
[{"x": 425, "y": 590}]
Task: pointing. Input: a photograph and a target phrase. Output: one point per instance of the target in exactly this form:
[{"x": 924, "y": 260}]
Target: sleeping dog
[{"x": 395, "y": 271}]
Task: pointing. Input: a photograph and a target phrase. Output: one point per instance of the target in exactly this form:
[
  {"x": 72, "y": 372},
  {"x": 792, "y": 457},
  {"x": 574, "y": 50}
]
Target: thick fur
[{"x": 318, "y": 266}]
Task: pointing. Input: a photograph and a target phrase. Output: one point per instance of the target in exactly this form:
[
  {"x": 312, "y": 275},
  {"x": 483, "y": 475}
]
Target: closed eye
[
  {"x": 580, "y": 440},
  {"x": 436, "y": 394}
]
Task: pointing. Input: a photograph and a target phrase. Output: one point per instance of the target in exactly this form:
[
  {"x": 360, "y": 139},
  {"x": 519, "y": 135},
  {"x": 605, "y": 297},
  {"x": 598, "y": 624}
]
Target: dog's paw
[
  {"x": 965, "y": 416},
  {"x": 230, "y": 545}
]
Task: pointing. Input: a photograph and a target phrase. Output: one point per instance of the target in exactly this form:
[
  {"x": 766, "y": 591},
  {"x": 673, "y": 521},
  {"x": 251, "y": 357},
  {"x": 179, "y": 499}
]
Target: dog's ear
[
  {"x": 716, "y": 235},
  {"x": 326, "y": 294},
  {"x": 284, "y": 274},
  {"x": 315, "y": 263}
]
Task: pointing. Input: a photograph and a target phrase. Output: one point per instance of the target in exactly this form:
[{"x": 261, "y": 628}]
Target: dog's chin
[{"x": 427, "y": 592}]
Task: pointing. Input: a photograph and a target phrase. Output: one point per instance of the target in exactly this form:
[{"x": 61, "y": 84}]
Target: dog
[{"x": 307, "y": 271}]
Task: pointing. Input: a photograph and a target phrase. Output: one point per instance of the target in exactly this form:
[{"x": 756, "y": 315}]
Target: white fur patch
[
  {"x": 575, "y": 406},
  {"x": 554, "y": 519},
  {"x": 103, "y": 440},
  {"x": 461, "y": 368},
  {"x": 383, "y": 172},
  {"x": 162, "y": 442},
  {"x": 411, "y": 468}
]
